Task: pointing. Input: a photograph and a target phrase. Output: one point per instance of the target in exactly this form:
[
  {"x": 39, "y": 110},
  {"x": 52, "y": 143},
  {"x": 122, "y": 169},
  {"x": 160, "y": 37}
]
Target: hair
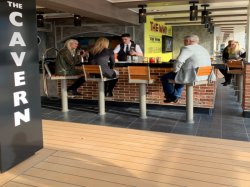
[
  {"x": 100, "y": 44},
  {"x": 68, "y": 45},
  {"x": 193, "y": 38},
  {"x": 125, "y": 35},
  {"x": 236, "y": 49}
]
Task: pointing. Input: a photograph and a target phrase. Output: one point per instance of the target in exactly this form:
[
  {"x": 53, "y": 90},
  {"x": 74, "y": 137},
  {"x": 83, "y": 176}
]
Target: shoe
[
  {"x": 226, "y": 83},
  {"x": 109, "y": 94},
  {"x": 73, "y": 92},
  {"x": 171, "y": 100}
]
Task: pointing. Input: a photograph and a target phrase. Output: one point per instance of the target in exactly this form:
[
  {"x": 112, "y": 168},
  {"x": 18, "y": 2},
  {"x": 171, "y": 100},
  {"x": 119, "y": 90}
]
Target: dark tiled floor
[{"x": 226, "y": 122}]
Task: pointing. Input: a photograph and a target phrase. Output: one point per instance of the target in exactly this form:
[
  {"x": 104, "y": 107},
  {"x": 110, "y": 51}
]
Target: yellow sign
[{"x": 153, "y": 32}]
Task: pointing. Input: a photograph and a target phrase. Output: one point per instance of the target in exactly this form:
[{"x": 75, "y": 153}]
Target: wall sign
[{"x": 20, "y": 110}]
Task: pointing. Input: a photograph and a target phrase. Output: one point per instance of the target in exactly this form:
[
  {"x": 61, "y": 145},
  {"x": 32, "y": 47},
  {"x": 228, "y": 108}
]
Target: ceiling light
[
  {"x": 77, "y": 20},
  {"x": 204, "y": 13},
  {"x": 193, "y": 11},
  {"x": 142, "y": 14},
  {"x": 40, "y": 20}
]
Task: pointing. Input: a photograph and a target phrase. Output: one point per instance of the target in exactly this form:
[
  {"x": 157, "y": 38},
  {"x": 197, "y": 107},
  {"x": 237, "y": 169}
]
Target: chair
[
  {"x": 236, "y": 67},
  {"x": 48, "y": 75},
  {"x": 201, "y": 71},
  {"x": 141, "y": 75},
  {"x": 94, "y": 73}
]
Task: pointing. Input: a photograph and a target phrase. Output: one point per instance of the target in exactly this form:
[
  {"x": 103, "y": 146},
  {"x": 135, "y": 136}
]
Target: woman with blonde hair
[
  {"x": 234, "y": 51},
  {"x": 101, "y": 55},
  {"x": 66, "y": 60}
]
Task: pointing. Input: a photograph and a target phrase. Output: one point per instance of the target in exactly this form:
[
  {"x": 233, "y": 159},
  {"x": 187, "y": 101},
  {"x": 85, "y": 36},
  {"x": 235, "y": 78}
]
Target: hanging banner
[{"x": 20, "y": 109}]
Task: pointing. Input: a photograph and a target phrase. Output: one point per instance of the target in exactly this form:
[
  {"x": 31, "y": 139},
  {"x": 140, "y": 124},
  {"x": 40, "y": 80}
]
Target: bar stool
[
  {"x": 94, "y": 73},
  {"x": 236, "y": 67},
  {"x": 141, "y": 75},
  {"x": 47, "y": 75},
  {"x": 201, "y": 71}
]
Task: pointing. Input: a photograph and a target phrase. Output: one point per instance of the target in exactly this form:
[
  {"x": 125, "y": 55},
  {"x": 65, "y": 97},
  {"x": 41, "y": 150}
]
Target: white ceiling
[{"x": 176, "y": 12}]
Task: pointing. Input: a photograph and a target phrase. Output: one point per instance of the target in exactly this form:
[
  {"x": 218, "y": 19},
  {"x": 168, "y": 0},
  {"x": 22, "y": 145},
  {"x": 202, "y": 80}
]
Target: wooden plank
[
  {"x": 88, "y": 155},
  {"x": 155, "y": 136},
  {"x": 40, "y": 181},
  {"x": 20, "y": 168},
  {"x": 148, "y": 138},
  {"x": 160, "y": 173},
  {"x": 170, "y": 162},
  {"x": 151, "y": 143},
  {"x": 70, "y": 179},
  {"x": 197, "y": 174},
  {"x": 140, "y": 151},
  {"x": 14, "y": 184},
  {"x": 105, "y": 175}
]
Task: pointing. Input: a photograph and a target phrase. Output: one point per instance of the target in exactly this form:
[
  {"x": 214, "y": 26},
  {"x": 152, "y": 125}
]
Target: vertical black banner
[{"x": 20, "y": 110}]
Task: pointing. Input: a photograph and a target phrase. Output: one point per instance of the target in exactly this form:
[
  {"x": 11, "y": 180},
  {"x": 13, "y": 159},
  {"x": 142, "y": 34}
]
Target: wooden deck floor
[{"x": 98, "y": 156}]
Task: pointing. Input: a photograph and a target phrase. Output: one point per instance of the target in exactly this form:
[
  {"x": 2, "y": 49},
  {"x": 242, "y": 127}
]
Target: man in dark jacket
[{"x": 126, "y": 48}]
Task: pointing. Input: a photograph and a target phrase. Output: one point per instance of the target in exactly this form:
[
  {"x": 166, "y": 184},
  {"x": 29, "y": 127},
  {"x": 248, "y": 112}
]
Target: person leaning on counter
[{"x": 127, "y": 48}]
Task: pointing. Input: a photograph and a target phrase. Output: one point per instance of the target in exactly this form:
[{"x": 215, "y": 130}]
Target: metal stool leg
[
  {"x": 240, "y": 87},
  {"x": 64, "y": 95},
  {"x": 189, "y": 104},
  {"x": 101, "y": 98},
  {"x": 143, "y": 107}
]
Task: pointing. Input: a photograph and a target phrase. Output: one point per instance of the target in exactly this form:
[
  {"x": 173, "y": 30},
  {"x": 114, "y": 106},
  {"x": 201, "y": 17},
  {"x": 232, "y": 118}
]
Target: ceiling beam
[
  {"x": 134, "y": 4},
  {"x": 185, "y": 11},
  {"x": 95, "y": 9},
  {"x": 212, "y": 16},
  {"x": 198, "y": 22}
]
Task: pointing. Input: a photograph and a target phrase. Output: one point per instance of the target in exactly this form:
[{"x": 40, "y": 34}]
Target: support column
[
  {"x": 240, "y": 87},
  {"x": 189, "y": 104},
  {"x": 143, "y": 105},
  {"x": 101, "y": 98},
  {"x": 64, "y": 95}
]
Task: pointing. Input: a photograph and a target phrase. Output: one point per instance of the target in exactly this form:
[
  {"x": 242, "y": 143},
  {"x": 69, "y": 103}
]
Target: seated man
[{"x": 191, "y": 56}]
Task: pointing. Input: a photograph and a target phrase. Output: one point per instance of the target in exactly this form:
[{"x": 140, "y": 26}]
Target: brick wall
[
  {"x": 246, "y": 95},
  {"x": 204, "y": 95}
]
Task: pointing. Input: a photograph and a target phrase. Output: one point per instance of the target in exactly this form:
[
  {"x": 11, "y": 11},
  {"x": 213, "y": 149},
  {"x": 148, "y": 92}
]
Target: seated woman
[
  {"x": 66, "y": 60},
  {"x": 101, "y": 55},
  {"x": 231, "y": 52}
]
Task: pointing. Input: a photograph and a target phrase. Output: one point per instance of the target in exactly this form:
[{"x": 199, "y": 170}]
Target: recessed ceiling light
[{"x": 155, "y": 10}]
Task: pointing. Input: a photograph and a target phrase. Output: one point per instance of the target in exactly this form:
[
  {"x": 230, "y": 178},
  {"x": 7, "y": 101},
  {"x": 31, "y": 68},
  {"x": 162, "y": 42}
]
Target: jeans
[{"x": 171, "y": 90}]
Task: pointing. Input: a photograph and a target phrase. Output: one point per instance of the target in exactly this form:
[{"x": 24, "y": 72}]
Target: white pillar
[
  {"x": 189, "y": 104},
  {"x": 240, "y": 87},
  {"x": 101, "y": 98},
  {"x": 143, "y": 106},
  {"x": 64, "y": 95},
  {"x": 248, "y": 35}
]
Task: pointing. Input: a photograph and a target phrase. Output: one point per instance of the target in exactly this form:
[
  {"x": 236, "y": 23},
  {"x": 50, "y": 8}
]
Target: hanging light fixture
[
  {"x": 40, "y": 20},
  {"x": 211, "y": 28},
  {"x": 207, "y": 21},
  {"x": 77, "y": 20},
  {"x": 204, "y": 13},
  {"x": 193, "y": 11},
  {"x": 142, "y": 14}
]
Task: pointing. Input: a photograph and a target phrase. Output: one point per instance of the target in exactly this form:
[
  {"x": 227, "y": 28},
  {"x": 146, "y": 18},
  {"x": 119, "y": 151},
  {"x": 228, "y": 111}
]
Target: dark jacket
[
  {"x": 122, "y": 55},
  {"x": 65, "y": 63},
  {"x": 103, "y": 59}
]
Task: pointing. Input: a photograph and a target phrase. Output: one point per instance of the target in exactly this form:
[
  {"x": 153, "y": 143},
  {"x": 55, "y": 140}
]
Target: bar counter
[{"x": 204, "y": 95}]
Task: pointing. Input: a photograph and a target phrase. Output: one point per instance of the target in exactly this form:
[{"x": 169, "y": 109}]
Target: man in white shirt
[
  {"x": 191, "y": 56},
  {"x": 127, "y": 48}
]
